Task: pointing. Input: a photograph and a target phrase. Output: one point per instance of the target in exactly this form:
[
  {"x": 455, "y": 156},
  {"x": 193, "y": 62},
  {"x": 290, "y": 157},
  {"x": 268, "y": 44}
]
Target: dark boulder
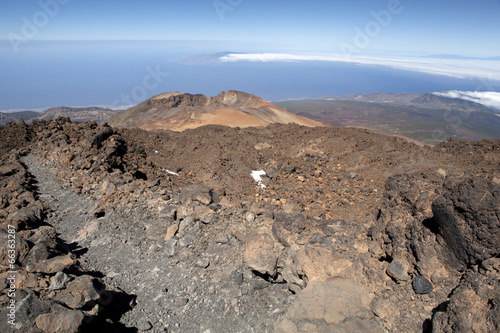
[{"x": 467, "y": 217}]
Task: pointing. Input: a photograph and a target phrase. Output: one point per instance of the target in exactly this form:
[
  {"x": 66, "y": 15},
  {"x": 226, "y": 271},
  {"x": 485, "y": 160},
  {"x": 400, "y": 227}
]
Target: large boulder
[
  {"x": 68, "y": 321},
  {"x": 17, "y": 253},
  {"x": 198, "y": 193},
  {"x": 318, "y": 263},
  {"x": 28, "y": 308},
  {"x": 262, "y": 253},
  {"x": 468, "y": 218},
  {"x": 474, "y": 306},
  {"x": 337, "y": 305},
  {"x": 83, "y": 292},
  {"x": 287, "y": 227}
]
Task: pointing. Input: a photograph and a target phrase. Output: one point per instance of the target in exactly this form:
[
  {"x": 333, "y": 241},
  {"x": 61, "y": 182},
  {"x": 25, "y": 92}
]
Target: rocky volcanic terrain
[
  {"x": 75, "y": 114},
  {"x": 123, "y": 230}
]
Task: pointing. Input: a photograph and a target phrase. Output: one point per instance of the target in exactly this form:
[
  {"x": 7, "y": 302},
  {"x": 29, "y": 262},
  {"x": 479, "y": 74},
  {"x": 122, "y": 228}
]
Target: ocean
[{"x": 48, "y": 74}]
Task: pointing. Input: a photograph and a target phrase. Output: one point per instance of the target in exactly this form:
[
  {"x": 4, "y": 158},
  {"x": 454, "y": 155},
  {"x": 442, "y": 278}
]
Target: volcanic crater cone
[{"x": 178, "y": 111}]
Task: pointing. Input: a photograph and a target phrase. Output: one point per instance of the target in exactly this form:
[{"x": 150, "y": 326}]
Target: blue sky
[
  {"x": 469, "y": 28},
  {"x": 89, "y": 52}
]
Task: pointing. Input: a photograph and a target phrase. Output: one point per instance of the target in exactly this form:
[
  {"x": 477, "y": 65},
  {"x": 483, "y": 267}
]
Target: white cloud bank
[
  {"x": 488, "y": 98},
  {"x": 459, "y": 68}
]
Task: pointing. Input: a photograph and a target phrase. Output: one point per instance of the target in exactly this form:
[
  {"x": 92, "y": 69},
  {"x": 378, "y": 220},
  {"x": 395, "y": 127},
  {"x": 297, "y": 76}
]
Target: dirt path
[{"x": 173, "y": 293}]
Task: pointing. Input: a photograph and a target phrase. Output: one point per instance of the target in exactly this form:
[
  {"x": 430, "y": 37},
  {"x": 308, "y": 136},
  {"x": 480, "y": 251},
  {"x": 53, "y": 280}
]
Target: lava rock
[
  {"x": 20, "y": 251},
  {"x": 186, "y": 241},
  {"x": 83, "y": 291},
  {"x": 261, "y": 254},
  {"x": 68, "y": 321},
  {"x": 169, "y": 213},
  {"x": 202, "y": 263},
  {"x": 398, "y": 270},
  {"x": 59, "y": 281},
  {"x": 287, "y": 227},
  {"x": 421, "y": 285},
  {"x": 338, "y": 305},
  {"x": 144, "y": 325},
  {"x": 46, "y": 235},
  {"x": 250, "y": 217},
  {"x": 170, "y": 247},
  {"x": 467, "y": 218},
  {"x": 271, "y": 173},
  {"x": 182, "y": 301},
  {"x": 53, "y": 265},
  {"x": 199, "y": 193}
]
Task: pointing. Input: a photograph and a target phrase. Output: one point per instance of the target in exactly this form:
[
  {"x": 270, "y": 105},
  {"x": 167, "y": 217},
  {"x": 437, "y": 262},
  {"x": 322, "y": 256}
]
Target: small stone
[
  {"x": 59, "y": 281},
  {"x": 198, "y": 193},
  {"x": 186, "y": 241},
  {"x": 185, "y": 224},
  {"x": 202, "y": 263},
  {"x": 144, "y": 325},
  {"x": 250, "y": 217},
  {"x": 421, "y": 285},
  {"x": 169, "y": 213},
  {"x": 205, "y": 214},
  {"x": 53, "y": 265},
  {"x": 441, "y": 172},
  {"x": 398, "y": 270},
  {"x": 238, "y": 279},
  {"x": 180, "y": 302},
  {"x": 170, "y": 247},
  {"x": 381, "y": 308},
  {"x": 271, "y": 173},
  {"x": 91, "y": 228},
  {"x": 171, "y": 231}
]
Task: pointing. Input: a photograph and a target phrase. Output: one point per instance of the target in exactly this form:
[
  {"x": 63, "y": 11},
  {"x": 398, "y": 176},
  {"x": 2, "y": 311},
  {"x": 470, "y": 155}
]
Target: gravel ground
[{"x": 172, "y": 293}]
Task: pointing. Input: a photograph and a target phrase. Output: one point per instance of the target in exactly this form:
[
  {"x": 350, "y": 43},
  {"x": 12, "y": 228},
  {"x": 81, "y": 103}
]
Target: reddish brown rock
[{"x": 67, "y": 321}]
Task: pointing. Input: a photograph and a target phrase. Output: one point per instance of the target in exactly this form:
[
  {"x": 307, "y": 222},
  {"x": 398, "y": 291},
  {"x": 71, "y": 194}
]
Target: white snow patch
[
  {"x": 257, "y": 176},
  {"x": 171, "y": 172}
]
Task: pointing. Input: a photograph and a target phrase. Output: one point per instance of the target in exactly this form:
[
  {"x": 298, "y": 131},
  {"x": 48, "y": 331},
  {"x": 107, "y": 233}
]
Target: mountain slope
[
  {"x": 77, "y": 114},
  {"x": 425, "y": 101},
  {"x": 179, "y": 111},
  {"x": 6, "y": 117},
  {"x": 419, "y": 122}
]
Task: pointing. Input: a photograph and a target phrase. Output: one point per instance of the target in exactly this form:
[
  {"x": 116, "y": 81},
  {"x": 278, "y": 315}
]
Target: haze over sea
[
  {"x": 81, "y": 53},
  {"x": 123, "y": 73}
]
